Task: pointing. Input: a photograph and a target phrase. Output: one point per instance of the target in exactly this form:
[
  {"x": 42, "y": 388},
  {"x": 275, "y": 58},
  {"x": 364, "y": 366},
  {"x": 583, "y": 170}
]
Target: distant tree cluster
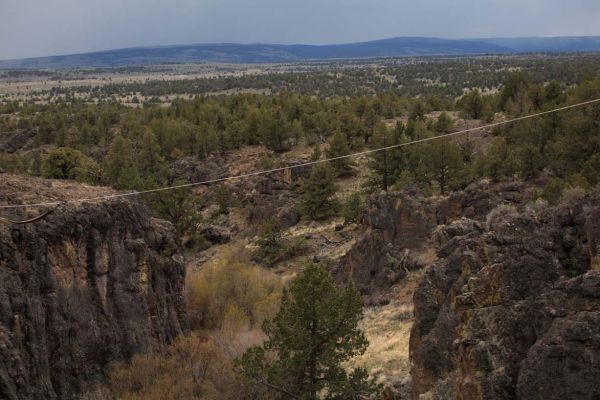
[
  {"x": 564, "y": 144},
  {"x": 127, "y": 148},
  {"x": 440, "y": 77}
]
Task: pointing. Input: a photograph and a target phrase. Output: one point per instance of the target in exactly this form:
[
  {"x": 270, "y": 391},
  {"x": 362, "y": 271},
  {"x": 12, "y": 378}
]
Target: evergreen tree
[
  {"x": 381, "y": 162},
  {"x": 270, "y": 243},
  {"x": 498, "y": 162},
  {"x": 317, "y": 201},
  {"x": 296, "y": 131},
  {"x": 370, "y": 120},
  {"x": 352, "y": 208},
  {"x": 120, "y": 166},
  {"x": 338, "y": 147},
  {"x": 35, "y": 168},
  {"x": 316, "y": 154},
  {"x": 68, "y": 163},
  {"x": 518, "y": 82},
  {"x": 417, "y": 110},
  {"x": 445, "y": 161},
  {"x": 181, "y": 207},
  {"x": 276, "y": 133},
  {"x": 313, "y": 334},
  {"x": 472, "y": 105},
  {"x": 443, "y": 124},
  {"x": 150, "y": 163}
]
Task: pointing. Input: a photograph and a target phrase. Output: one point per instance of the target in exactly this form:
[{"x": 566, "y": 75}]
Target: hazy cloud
[{"x": 44, "y": 27}]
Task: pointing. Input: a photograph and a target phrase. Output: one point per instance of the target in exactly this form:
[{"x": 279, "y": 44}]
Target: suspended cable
[{"x": 305, "y": 164}]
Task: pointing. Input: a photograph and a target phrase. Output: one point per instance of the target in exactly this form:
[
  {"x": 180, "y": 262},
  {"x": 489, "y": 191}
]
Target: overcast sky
[{"x": 45, "y": 27}]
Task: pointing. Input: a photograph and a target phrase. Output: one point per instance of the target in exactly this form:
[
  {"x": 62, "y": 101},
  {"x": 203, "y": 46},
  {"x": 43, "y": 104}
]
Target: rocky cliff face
[
  {"x": 393, "y": 225},
  {"x": 397, "y": 228},
  {"x": 511, "y": 309},
  {"x": 84, "y": 287}
]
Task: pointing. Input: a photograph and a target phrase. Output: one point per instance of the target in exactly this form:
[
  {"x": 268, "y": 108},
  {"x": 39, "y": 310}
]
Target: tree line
[{"x": 128, "y": 148}]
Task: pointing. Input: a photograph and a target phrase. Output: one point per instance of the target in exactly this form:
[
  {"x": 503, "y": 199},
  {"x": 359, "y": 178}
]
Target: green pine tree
[
  {"x": 181, "y": 207},
  {"x": 338, "y": 147},
  {"x": 317, "y": 201},
  {"x": 445, "y": 162},
  {"x": 120, "y": 166},
  {"x": 314, "y": 333},
  {"x": 68, "y": 163},
  {"x": 443, "y": 124},
  {"x": 352, "y": 208},
  {"x": 316, "y": 154},
  {"x": 381, "y": 161},
  {"x": 270, "y": 243}
]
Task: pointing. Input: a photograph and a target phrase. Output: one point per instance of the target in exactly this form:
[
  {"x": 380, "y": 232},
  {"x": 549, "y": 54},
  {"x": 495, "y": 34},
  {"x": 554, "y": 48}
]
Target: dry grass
[
  {"x": 388, "y": 330},
  {"x": 194, "y": 367},
  {"x": 19, "y": 189},
  {"x": 228, "y": 293},
  {"x": 31, "y": 189}
]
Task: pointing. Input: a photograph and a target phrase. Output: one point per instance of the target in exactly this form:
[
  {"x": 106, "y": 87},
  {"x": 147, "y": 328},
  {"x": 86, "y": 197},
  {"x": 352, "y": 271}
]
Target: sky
[{"x": 30, "y": 28}]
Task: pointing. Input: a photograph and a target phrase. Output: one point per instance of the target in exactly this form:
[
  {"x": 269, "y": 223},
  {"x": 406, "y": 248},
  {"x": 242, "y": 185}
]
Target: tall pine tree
[
  {"x": 318, "y": 201},
  {"x": 314, "y": 333},
  {"x": 338, "y": 147}
]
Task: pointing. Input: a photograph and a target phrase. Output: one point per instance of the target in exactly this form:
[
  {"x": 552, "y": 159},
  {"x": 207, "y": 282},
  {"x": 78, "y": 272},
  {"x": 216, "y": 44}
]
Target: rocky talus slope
[
  {"x": 511, "y": 308},
  {"x": 86, "y": 286}
]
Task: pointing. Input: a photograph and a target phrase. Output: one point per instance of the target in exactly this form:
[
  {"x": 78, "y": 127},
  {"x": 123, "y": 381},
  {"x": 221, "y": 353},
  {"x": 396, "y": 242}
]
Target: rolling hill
[{"x": 275, "y": 53}]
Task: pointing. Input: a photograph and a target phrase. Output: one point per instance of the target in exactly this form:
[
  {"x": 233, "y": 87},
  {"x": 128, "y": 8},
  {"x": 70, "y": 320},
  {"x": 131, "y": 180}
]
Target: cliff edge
[
  {"x": 87, "y": 285},
  {"x": 511, "y": 308}
]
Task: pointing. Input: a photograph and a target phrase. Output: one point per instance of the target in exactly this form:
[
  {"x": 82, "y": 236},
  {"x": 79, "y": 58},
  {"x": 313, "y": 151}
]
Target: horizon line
[{"x": 158, "y": 46}]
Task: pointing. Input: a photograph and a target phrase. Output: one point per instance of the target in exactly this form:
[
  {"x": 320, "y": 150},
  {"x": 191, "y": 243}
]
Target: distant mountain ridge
[{"x": 275, "y": 53}]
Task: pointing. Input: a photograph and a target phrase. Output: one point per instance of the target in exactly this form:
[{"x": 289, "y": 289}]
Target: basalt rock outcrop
[
  {"x": 86, "y": 286},
  {"x": 17, "y": 141},
  {"x": 393, "y": 225},
  {"x": 511, "y": 308},
  {"x": 397, "y": 226},
  {"x": 271, "y": 197},
  {"x": 478, "y": 199}
]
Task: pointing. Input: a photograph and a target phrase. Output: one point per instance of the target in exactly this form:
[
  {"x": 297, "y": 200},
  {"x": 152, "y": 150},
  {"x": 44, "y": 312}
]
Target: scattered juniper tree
[
  {"x": 316, "y": 154},
  {"x": 318, "y": 200},
  {"x": 443, "y": 124},
  {"x": 445, "y": 162},
  {"x": 314, "y": 333},
  {"x": 68, "y": 163},
  {"x": 270, "y": 243},
  {"x": 382, "y": 162},
  {"x": 181, "y": 207},
  {"x": 338, "y": 147},
  {"x": 352, "y": 208}
]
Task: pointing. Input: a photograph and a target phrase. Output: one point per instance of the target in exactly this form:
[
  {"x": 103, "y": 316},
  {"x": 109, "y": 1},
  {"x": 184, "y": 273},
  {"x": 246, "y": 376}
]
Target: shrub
[
  {"x": 270, "y": 244},
  {"x": 573, "y": 267},
  {"x": 193, "y": 367},
  {"x": 352, "y": 209},
  {"x": 572, "y": 194},
  {"x": 498, "y": 213},
  {"x": 231, "y": 293},
  {"x": 536, "y": 206},
  {"x": 68, "y": 163},
  {"x": 553, "y": 190},
  {"x": 12, "y": 163}
]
